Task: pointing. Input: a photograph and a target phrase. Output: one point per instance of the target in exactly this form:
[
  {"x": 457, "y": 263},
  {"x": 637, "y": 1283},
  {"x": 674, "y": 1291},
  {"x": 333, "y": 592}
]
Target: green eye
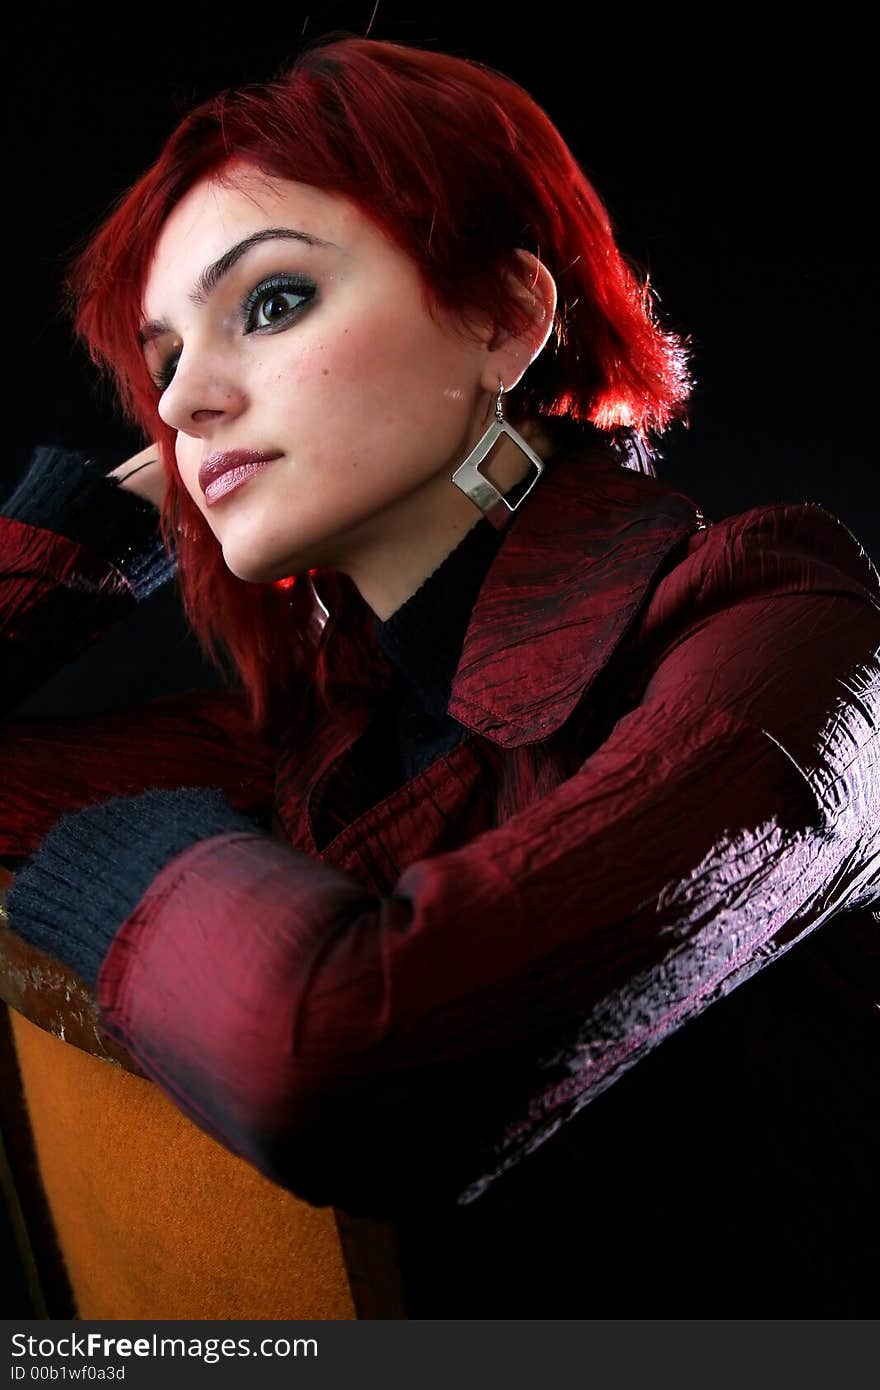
[
  {"x": 166, "y": 372},
  {"x": 269, "y": 305},
  {"x": 275, "y": 306},
  {"x": 271, "y": 302}
]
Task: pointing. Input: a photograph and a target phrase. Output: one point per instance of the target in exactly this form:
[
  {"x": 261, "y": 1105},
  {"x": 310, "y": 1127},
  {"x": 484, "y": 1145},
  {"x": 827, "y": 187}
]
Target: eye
[
  {"x": 271, "y": 303},
  {"x": 165, "y": 375}
]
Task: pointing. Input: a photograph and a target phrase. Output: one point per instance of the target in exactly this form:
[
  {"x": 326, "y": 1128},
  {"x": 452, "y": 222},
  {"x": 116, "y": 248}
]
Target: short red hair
[{"x": 459, "y": 166}]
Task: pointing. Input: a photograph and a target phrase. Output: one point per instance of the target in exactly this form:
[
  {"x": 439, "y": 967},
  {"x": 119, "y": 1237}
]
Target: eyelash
[{"x": 275, "y": 284}]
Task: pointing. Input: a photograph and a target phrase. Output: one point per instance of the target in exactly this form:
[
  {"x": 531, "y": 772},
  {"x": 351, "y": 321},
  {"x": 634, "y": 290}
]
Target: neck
[{"x": 423, "y": 528}]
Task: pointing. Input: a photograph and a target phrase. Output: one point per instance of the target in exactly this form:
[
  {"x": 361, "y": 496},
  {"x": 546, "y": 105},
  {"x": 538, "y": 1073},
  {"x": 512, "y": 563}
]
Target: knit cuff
[
  {"x": 96, "y": 864},
  {"x": 65, "y": 491}
]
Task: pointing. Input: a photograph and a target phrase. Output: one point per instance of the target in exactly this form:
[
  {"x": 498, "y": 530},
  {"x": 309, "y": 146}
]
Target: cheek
[{"x": 372, "y": 358}]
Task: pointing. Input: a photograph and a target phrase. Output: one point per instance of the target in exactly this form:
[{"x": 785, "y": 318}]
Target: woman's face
[{"x": 323, "y": 353}]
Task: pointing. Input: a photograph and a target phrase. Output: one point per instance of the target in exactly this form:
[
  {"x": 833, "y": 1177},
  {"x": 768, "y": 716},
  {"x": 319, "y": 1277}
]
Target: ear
[{"x": 508, "y": 357}]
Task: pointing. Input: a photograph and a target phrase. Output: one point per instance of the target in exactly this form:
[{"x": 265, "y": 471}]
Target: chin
[
  {"x": 264, "y": 570},
  {"x": 256, "y": 573}
]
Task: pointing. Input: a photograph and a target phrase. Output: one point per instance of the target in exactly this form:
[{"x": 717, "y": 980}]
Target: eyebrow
[{"x": 213, "y": 274}]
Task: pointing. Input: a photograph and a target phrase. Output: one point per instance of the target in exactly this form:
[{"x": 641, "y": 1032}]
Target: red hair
[{"x": 459, "y": 166}]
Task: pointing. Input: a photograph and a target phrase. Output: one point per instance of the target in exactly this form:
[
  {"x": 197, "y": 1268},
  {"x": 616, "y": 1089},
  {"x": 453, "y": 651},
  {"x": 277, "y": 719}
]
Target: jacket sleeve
[
  {"x": 77, "y": 553},
  {"x": 364, "y": 1051}
]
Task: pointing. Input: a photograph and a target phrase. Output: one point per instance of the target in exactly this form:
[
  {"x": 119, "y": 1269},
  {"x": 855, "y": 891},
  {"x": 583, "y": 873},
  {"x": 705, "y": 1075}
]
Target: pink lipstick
[{"x": 221, "y": 473}]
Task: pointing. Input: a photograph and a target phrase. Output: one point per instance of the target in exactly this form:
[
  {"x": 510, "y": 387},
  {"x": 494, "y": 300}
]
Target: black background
[
  {"x": 733, "y": 154},
  {"x": 734, "y": 161}
]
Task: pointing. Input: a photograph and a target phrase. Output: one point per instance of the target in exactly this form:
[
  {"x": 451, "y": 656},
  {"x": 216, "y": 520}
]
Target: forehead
[{"x": 218, "y": 212}]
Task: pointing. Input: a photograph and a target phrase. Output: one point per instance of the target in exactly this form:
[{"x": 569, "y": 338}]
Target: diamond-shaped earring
[{"x": 477, "y": 486}]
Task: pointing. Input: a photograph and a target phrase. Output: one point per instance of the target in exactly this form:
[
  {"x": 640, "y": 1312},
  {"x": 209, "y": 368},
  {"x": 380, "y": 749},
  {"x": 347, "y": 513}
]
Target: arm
[
  {"x": 58, "y": 591},
  {"x": 77, "y": 553},
  {"x": 357, "y": 1049}
]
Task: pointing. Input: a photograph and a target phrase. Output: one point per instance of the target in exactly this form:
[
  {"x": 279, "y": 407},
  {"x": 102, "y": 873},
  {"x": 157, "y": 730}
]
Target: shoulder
[
  {"x": 770, "y": 619},
  {"x": 772, "y": 550}
]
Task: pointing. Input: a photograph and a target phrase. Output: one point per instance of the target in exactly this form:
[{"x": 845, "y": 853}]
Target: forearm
[{"x": 77, "y": 552}]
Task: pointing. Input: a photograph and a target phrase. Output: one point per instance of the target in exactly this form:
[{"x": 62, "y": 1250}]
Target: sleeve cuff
[
  {"x": 66, "y": 491},
  {"x": 96, "y": 864}
]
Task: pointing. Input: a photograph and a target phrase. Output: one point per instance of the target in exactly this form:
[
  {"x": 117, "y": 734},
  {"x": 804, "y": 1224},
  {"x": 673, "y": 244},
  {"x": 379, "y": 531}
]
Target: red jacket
[{"x": 672, "y": 778}]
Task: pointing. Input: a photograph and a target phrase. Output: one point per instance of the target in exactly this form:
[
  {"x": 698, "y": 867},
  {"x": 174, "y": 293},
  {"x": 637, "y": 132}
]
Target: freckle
[{"x": 326, "y": 371}]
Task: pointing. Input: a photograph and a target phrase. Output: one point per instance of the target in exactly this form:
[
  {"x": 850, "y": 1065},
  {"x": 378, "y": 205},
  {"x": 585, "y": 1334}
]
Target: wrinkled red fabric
[{"x": 671, "y": 777}]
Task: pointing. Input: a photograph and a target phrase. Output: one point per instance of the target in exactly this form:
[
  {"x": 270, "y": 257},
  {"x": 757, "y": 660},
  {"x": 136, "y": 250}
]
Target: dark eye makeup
[{"x": 267, "y": 298}]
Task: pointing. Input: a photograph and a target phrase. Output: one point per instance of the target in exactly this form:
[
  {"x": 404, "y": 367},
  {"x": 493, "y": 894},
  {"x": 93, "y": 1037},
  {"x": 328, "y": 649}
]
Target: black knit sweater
[{"x": 423, "y": 641}]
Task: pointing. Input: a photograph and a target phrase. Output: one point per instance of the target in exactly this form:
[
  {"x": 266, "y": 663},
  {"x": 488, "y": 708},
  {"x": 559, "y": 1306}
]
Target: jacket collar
[{"x": 573, "y": 571}]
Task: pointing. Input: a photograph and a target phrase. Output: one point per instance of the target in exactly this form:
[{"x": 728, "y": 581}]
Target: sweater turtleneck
[{"x": 423, "y": 639}]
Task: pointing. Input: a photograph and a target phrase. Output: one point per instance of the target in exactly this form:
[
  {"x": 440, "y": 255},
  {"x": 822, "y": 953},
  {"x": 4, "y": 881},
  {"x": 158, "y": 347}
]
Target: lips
[{"x": 215, "y": 465}]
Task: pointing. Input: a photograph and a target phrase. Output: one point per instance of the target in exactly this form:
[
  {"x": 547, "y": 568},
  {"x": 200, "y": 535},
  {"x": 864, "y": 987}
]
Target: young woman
[{"x": 540, "y": 768}]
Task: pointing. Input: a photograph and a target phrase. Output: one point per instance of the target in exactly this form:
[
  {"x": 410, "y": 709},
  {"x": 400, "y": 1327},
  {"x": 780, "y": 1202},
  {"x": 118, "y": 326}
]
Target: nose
[{"x": 204, "y": 392}]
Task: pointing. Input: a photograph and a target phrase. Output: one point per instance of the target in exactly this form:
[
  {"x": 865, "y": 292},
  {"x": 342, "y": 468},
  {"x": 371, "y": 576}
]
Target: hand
[{"x": 148, "y": 481}]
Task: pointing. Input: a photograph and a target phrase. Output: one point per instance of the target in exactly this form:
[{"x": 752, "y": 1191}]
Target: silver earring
[{"x": 477, "y": 486}]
